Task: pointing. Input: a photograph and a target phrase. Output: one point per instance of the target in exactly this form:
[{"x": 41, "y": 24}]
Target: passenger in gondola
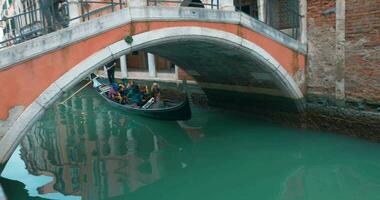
[
  {"x": 114, "y": 94},
  {"x": 112, "y": 90},
  {"x": 135, "y": 96},
  {"x": 155, "y": 92},
  {"x": 124, "y": 94},
  {"x": 129, "y": 85},
  {"x": 145, "y": 92},
  {"x": 118, "y": 98},
  {"x": 122, "y": 90}
]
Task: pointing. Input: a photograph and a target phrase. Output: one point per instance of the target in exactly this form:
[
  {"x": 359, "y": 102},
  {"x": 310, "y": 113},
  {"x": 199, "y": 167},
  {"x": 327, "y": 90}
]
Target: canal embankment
[
  {"x": 347, "y": 119},
  {"x": 355, "y": 118}
]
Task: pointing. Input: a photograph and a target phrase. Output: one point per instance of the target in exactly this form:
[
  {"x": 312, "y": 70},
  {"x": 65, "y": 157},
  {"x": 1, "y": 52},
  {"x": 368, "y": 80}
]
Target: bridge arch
[
  {"x": 263, "y": 64},
  {"x": 150, "y": 40},
  {"x": 154, "y": 40}
]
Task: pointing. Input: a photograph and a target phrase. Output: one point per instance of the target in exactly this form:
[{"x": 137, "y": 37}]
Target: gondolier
[{"x": 110, "y": 66}]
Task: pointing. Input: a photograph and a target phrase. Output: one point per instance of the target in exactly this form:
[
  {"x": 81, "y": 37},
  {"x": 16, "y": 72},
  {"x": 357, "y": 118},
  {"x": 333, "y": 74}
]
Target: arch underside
[
  {"x": 209, "y": 62},
  {"x": 230, "y": 75}
]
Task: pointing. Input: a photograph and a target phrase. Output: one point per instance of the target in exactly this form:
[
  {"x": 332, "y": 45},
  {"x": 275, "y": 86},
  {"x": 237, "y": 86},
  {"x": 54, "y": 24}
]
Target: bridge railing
[
  {"x": 40, "y": 21},
  {"x": 46, "y": 19}
]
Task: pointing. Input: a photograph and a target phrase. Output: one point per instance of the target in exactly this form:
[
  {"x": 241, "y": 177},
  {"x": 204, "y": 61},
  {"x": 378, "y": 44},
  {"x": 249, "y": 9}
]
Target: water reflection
[
  {"x": 86, "y": 149},
  {"x": 96, "y": 152}
]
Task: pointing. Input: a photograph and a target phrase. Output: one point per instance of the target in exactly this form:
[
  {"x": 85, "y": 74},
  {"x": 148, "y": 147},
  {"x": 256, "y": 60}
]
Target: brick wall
[
  {"x": 315, "y": 8},
  {"x": 362, "y": 50},
  {"x": 321, "y": 48},
  {"x": 362, "y": 76}
]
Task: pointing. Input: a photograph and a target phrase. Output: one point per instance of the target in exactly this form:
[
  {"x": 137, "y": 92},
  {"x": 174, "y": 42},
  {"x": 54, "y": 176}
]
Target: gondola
[{"x": 164, "y": 110}]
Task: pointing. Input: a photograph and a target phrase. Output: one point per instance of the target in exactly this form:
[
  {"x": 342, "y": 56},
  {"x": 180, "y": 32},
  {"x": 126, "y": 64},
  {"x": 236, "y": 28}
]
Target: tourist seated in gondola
[
  {"x": 118, "y": 98},
  {"x": 123, "y": 93},
  {"x": 129, "y": 85},
  {"x": 114, "y": 93},
  {"x": 135, "y": 96},
  {"x": 155, "y": 92}
]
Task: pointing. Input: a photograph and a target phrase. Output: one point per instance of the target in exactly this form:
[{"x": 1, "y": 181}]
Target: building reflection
[{"x": 95, "y": 152}]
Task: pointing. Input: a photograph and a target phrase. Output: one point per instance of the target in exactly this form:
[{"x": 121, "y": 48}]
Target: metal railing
[
  {"x": 40, "y": 21},
  {"x": 46, "y": 19}
]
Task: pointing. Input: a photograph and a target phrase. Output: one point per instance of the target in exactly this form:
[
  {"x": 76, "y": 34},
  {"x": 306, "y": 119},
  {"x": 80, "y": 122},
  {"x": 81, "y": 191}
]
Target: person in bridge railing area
[
  {"x": 196, "y": 3},
  {"x": 53, "y": 11}
]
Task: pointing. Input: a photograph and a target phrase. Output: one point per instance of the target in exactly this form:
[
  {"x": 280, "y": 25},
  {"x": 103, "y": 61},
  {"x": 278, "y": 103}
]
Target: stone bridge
[{"x": 234, "y": 58}]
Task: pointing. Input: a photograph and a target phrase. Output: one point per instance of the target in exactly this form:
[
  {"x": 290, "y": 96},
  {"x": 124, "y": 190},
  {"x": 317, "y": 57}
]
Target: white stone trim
[{"x": 12, "y": 137}]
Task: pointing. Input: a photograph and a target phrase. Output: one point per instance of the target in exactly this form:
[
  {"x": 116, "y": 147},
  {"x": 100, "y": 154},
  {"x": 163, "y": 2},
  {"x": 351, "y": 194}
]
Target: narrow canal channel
[{"x": 89, "y": 150}]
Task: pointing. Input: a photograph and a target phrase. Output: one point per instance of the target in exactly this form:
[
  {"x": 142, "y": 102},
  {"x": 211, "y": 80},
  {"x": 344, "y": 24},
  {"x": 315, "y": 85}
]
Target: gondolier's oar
[{"x": 80, "y": 89}]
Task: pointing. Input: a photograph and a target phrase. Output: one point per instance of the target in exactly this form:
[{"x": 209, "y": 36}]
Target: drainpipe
[
  {"x": 303, "y": 21},
  {"x": 340, "y": 51}
]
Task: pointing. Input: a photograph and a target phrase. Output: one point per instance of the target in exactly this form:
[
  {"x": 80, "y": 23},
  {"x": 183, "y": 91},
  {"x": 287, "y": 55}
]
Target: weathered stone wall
[
  {"x": 321, "y": 49},
  {"x": 363, "y": 51},
  {"x": 361, "y": 66}
]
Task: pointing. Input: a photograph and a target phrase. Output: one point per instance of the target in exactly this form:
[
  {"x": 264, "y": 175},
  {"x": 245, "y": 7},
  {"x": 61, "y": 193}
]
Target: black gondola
[{"x": 165, "y": 110}]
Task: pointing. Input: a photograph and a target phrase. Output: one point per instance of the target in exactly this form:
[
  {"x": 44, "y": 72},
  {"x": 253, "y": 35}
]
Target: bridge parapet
[
  {"x": 41, "y": 45},
  {"x": 30, "y": 27}
]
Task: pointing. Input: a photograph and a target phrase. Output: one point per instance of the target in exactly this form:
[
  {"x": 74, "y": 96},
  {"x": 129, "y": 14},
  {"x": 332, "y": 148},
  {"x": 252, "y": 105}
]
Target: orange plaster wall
[{"x": 24, "y": 82}]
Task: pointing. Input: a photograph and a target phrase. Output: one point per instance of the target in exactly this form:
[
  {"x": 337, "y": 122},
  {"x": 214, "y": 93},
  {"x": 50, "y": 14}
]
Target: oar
[{"x": 80, "y": 89}]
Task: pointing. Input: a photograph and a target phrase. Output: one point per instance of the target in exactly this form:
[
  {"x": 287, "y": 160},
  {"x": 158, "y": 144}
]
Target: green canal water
[{"x": 88, "y": 150}]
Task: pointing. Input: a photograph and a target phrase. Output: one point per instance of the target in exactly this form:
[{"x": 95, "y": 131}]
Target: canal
[{"x": 86, "y": 149}]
